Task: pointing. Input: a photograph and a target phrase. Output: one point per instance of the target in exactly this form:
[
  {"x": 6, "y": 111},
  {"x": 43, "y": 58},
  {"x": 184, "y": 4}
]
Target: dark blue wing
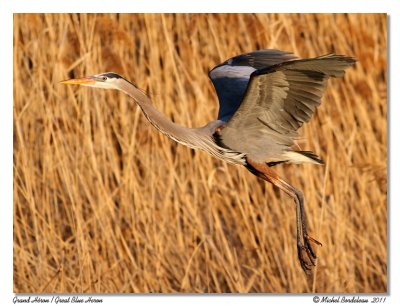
[{"x": 231, "y": 78}]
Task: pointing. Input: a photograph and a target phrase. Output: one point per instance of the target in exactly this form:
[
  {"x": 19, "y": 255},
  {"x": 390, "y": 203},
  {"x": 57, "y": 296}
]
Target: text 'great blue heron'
[{"x": 264, "y": 97}]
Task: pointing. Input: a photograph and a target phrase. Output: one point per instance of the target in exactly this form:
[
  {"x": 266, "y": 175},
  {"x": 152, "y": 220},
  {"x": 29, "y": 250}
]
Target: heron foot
[{"x": 306, "y": 253}]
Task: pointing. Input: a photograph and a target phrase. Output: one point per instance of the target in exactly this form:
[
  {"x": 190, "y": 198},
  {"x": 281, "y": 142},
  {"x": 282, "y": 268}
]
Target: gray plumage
[
  {"x": 278, "y": 100},
  {"x": 230, "y": 79},
  {"x": 265, "y": 97}
]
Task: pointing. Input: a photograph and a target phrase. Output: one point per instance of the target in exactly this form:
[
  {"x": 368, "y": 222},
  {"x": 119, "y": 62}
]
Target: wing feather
[
  {"x": 278, "y": 101},
  {"x": 230, "y": 79}
]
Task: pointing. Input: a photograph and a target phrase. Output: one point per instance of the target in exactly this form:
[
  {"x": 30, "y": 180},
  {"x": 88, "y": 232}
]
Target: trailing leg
[{"x": 305, "y": 252}]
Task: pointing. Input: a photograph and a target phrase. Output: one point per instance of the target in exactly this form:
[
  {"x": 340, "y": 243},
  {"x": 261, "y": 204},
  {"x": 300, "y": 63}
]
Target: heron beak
[{"x": 80, "y": 81}]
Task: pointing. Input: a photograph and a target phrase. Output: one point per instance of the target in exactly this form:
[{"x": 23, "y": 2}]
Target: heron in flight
[{"x": 264, "y": 96}]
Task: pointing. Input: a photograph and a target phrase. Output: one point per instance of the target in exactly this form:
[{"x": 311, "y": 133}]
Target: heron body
[{"x": 265, "y": 96}]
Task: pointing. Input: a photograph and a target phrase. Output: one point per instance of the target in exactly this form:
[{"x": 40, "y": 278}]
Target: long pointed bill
[{"x": 80, "y": 81}]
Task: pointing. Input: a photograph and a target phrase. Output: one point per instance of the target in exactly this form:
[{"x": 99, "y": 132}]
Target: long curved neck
[
  {"x": 196, "y": 138},
  {"x": 181, "y": 134}
]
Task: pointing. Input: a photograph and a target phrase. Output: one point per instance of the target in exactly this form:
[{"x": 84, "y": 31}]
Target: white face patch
[
  {"x": 227, "y": 71},
  {"x": 105, "y": 85}
]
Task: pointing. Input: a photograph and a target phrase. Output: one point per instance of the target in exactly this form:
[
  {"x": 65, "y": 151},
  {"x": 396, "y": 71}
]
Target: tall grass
[{"x": 104, "y": 203}]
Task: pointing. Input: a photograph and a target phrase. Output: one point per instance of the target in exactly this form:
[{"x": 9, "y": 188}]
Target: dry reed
[{"x": 104, "y": 203}]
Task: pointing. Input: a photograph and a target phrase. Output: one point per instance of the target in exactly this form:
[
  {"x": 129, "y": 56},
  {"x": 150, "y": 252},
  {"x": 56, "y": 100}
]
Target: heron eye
[{"x": 104, "y": 78}]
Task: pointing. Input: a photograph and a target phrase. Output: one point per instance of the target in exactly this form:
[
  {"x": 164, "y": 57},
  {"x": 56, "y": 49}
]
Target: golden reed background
[{"x": 104, "y": 203}]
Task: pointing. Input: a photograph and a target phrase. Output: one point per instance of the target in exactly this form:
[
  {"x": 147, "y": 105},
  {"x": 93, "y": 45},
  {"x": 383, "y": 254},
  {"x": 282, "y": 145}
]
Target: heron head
[{"x": 107, "y": 80}]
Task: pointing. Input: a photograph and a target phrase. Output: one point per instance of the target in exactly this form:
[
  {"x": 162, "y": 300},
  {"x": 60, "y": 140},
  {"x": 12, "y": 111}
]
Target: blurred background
[{"x": 104, "y": 203}]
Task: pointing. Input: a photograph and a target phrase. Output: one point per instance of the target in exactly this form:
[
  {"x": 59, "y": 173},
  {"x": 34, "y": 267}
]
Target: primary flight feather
[{"x": 265, "y": 96}]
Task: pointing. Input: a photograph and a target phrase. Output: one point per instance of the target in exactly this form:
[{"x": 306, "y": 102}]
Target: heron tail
[{"x": 299, "y": 157}]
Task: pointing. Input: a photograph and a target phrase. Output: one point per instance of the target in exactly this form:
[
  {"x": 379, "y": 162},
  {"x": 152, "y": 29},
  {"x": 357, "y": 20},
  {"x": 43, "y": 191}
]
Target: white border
[
  {"x": 204, "y": 6},
  {"x": 392, "y": 7}
]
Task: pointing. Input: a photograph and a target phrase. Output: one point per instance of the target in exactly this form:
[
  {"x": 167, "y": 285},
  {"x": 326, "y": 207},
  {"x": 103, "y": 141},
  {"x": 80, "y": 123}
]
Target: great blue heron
[{"x": 264, "y": 97}]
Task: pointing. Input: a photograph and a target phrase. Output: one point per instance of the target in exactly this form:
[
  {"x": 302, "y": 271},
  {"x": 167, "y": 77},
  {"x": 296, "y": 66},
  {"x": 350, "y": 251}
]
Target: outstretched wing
[
  {"x": 230, "y": 78},
  {"x": 278, "y": 100}
]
